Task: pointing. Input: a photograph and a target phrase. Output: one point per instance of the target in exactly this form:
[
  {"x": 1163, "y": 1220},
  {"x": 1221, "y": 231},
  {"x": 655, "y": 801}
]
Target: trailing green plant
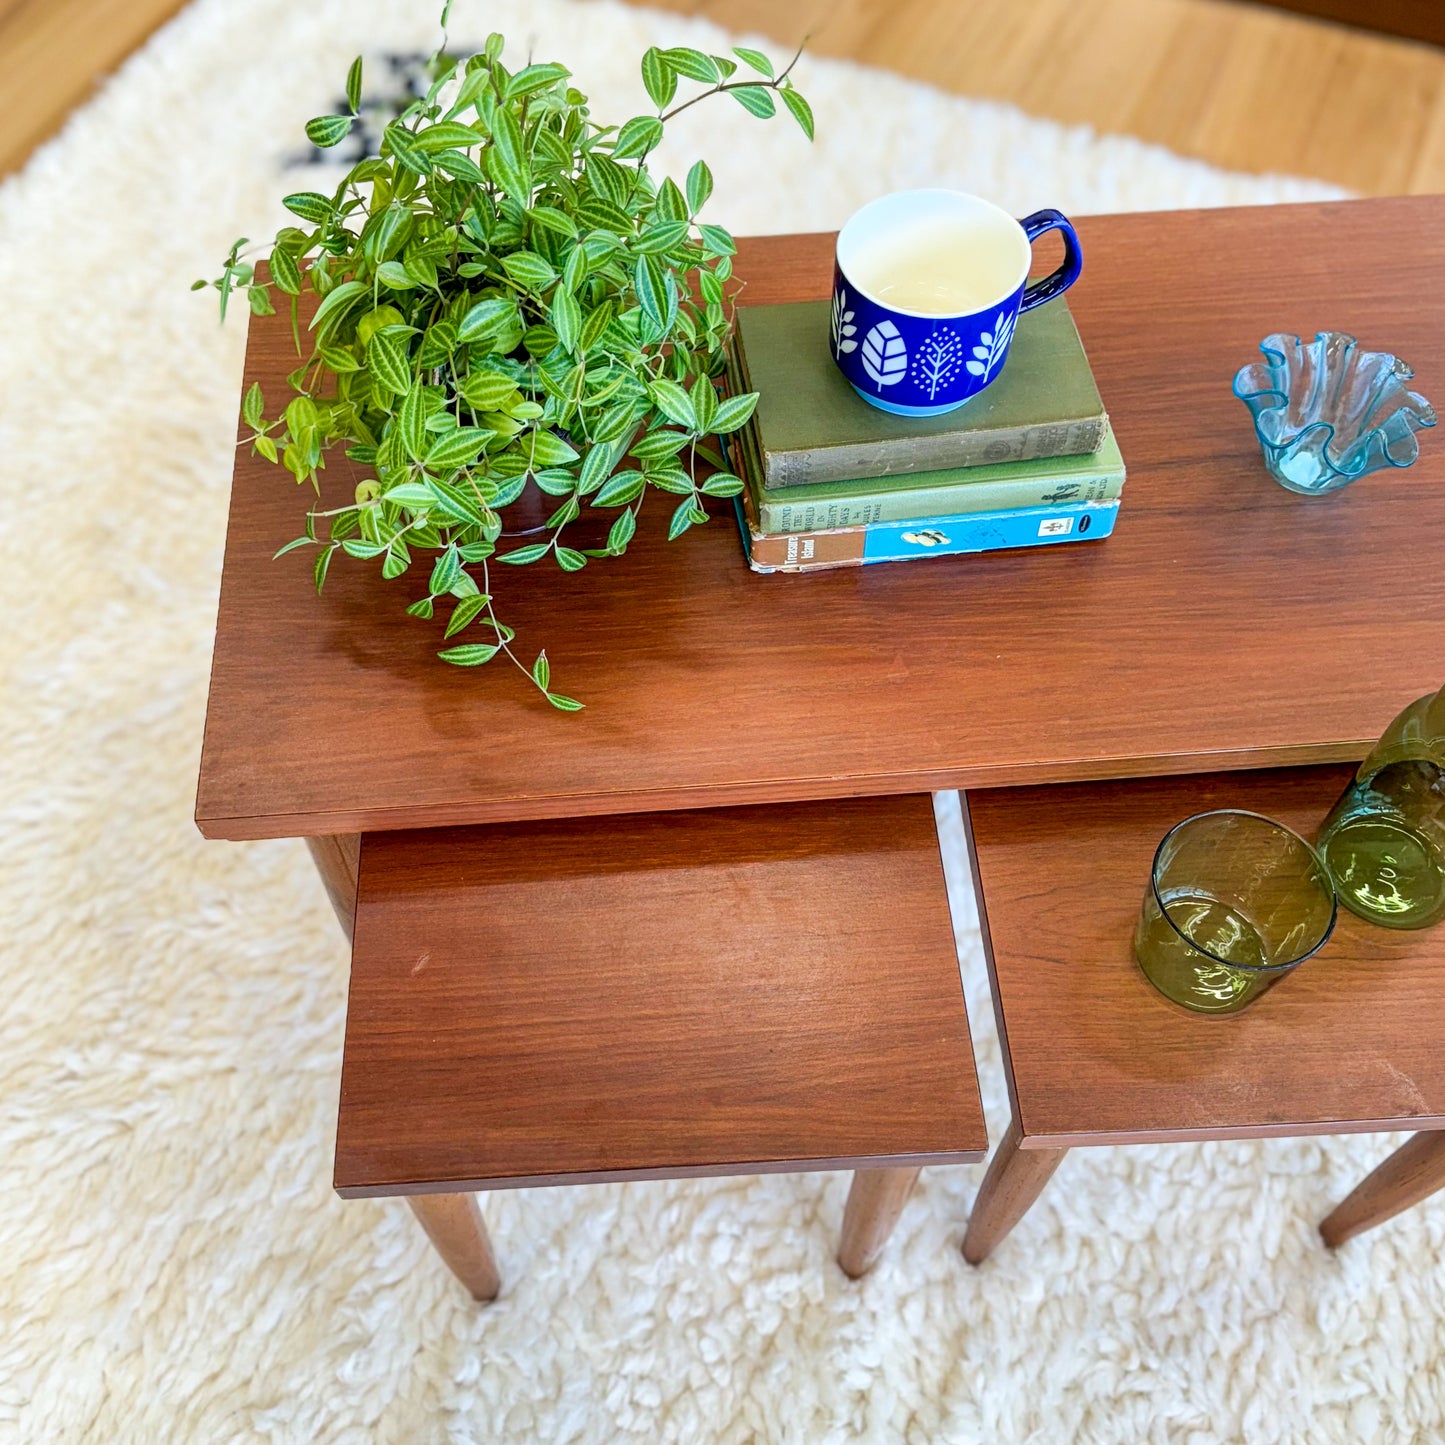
[{"x": 506, "y": 297}]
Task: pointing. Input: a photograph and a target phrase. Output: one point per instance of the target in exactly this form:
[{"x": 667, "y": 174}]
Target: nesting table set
[{"x": 701, "y": 928}]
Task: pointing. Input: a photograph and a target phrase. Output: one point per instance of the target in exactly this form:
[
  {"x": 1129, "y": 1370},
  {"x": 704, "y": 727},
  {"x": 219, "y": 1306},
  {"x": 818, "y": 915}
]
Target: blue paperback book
[{"x": 929, "y": 537}]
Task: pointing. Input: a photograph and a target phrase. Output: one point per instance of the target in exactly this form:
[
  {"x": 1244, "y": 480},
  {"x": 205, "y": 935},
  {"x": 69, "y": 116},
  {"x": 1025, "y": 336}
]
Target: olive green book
[
  {"x": 813, "y": 427},
  {"x": 1096, "y": 476}
]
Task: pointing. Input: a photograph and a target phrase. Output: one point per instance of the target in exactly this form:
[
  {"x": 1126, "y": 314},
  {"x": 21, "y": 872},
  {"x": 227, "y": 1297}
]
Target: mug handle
[{"x": 1056, "y": 284}]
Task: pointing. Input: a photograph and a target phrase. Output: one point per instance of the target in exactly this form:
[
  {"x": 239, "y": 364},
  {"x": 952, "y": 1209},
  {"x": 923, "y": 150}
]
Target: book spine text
[
  {"x": 927, "y": 537},
  {"x": 934, "y": 453},
  {"x": 957, "y": 499}
]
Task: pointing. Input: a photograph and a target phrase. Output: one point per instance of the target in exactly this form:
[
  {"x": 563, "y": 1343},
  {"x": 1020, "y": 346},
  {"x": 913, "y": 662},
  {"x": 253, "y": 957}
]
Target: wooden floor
[{"x": 1235, "y": 84}]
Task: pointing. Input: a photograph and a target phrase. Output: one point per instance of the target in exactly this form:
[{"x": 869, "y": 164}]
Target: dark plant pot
[
  {"x": 529, "y": 513},
  {"x": 526, "y": 519}
]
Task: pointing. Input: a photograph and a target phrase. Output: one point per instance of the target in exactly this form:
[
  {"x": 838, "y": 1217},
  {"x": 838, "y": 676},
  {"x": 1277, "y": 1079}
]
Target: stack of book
[{"x": 833, "y": 482}]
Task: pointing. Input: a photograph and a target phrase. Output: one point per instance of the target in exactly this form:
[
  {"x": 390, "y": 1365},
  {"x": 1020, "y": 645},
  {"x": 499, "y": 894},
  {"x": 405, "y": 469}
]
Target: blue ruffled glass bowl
[{"x": 1327, "y": 412}]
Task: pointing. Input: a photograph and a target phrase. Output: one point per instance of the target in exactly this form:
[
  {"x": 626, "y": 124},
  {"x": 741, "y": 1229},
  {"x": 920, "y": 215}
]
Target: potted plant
[{"x": 506, "y": 300}]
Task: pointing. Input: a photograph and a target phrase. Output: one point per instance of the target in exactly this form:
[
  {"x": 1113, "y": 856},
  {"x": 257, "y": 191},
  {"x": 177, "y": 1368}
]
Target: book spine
[
  {"x": 1074, "y": 438},
  {"x": 953, "y": 500},
  {"x": 928, "y": 537}
]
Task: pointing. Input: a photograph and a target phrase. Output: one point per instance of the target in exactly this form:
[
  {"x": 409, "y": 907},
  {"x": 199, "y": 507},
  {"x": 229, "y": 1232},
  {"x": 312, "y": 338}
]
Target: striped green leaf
[
  {"x": 699, "y": 187},
  {"x": 529, "y": 268},
  {"x": 415, "y": 496},
  {"x": 459, "y": 448},
  {"x": 656, "y": 239},
  {"x": 487, "y": 317},
  {"x": 637, "y": 137},
  {"x": 285, "y": 272},
  {"x": 659, "y": 78},
  {"x": 411, "y": 422},
  {"x": 470, "y": 654},
  {"x": 673, "y": 402},
  {"x": 802, "y": 112},
  {"x": 403, "y": 146},
  {"x": 328, "y": 130},
  {"x": 444, "y": 572},
  {"x": 621, "y": 489},
  {"x": 650, "y": 295},
  {"x": 733, "y": 413},
  {"x": 387, "y": 360},
  {"x": 550, "y": 219},
  {"x": 755, "y": 99},
  {"x": 704, "y": 404},
  {"x": 621, "y": 532},
  {"x": 465, "y": 611},
  {"x": 754, "y": 58},
  {"x": 534, "y": 78},
  {"x": 335, "y": 304},
  {"x": 693, "y": 64},
  {"x": 547, "y": 449},
  {"x": 460, "y": 168},
  {"x": 309, "y": 206},
  {"x": 446, "y": 135},
  {"x": 566, "y": 318}
]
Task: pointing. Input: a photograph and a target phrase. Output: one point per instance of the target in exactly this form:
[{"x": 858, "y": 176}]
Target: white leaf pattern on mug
[
  {"x": 885, "y": 354},
  {"x": 843, "y": 327},
  {"x": 937, "y": 360},
  {"x": 993, "y": 345}
]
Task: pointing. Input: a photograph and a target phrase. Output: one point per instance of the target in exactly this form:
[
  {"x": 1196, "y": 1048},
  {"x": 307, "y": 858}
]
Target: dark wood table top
[
  {"x": 727, "y": 992},
  {"x": 1226, "y": 624},
  {"x": 1350, "y": 1041}
]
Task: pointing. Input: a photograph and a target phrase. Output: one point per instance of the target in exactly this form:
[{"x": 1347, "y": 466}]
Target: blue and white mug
[{"x": 927, "y": 289}]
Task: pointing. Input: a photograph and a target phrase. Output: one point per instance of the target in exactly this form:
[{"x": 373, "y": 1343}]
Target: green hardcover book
[
  {"x": 955, "y": 492},
  {"x": 813, "y": 427},
  {"x": 951, "y": 492}
]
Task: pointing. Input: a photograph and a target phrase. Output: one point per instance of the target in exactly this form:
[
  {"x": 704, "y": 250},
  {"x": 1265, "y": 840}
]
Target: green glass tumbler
[
  {"x": 1235, "y": 901},
  {"x": 1384, "y": 841},
  {"x": 1384, "y": 844}
]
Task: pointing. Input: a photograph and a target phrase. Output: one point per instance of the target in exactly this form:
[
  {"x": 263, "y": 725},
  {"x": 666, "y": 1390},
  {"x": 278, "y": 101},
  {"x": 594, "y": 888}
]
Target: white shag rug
[{"x": 173, "y": 1264}]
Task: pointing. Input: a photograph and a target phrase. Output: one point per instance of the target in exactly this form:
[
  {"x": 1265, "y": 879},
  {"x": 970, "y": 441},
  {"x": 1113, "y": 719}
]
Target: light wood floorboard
[
  {"x": 1235, "y": 84},
  {"x": 52, "y": 53}
]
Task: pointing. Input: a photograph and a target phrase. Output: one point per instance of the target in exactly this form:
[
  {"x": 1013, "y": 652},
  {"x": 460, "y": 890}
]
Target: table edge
[
  {"x": 253, "y": 827},
  {"x": 1301, "y": 1129},
  {"x": 661, "y": 1172}
]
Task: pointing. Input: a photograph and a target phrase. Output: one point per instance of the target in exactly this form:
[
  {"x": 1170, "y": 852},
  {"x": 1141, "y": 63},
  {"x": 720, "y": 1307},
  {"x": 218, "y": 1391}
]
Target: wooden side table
[
  {"x": 655, "y": 997},
  {"x": 1347, "y": 1043},
  {"x": 708, "y": 686}
]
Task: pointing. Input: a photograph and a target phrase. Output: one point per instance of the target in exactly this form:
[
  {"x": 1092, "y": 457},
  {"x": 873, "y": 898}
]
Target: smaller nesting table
[
  {"x": 1348, "y": 1043},
  {"x": 734, "y": 991}
]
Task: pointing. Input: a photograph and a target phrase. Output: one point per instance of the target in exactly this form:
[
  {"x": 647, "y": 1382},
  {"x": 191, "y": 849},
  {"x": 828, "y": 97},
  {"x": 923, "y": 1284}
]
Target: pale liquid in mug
[{"x": 943, "y": 267}]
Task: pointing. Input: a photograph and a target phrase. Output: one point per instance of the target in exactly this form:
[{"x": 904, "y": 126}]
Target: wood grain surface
[
  {"x": 675, "y": 994},
  {"x": 1208, "y": 78},
  {"x": 1227, "y": 623},
  {"x": 52, "y": 54},
  {"x": 1396, "y": 17},
  {"x": 1348, "y": 1042}
]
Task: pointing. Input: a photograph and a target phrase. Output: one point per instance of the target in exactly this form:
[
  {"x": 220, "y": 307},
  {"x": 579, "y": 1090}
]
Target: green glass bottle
[{"x": 1384, "y": 841}]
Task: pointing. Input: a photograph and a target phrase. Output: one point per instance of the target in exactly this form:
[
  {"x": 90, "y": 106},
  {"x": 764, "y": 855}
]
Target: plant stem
[{"x": 776, "y": 83}]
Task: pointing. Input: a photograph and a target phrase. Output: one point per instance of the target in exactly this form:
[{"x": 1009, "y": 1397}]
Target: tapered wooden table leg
[
  {"x": 1015, "y": 1178},
  {"x": 874, "y": 1203},
  {"x": 454, "y": 1223},
  {"x": 337, "y": 860},
  {"x": 1412, "y": 1173}
]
